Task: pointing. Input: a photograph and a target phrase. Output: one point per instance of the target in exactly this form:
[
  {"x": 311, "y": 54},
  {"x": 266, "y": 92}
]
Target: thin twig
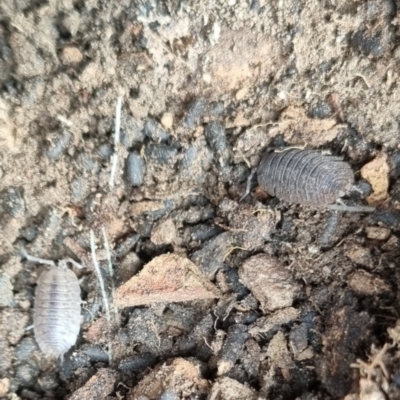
[
  {"x": 110, "y": 267},
  {"x": 114, "y": 160},
  {"x": 99, "y": 277}
]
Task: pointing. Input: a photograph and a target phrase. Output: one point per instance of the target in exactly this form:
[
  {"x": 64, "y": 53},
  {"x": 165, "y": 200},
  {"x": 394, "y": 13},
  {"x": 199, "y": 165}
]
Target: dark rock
[
  {"x": 237, "y": 287},
  {"x": 195, "y": 112},
  {"x": 321, "y": 110},
  {"x": 25, "y": 348},
  {"x": 58, "y": 145},
  {"x": 137, "y": 363},
  {"x": 161, "y": 153},
  {"x": 88, "y": 163},
  {"x": 29, "y": 233},
  {"x": 368, "y": 44},
  {"x": 211, "y": 257},
  {"x": 390, "y": 218},
  {"x": 230, "y": 352},
  {"x": 215, "y": 136},
  {"x": 125, "y": 246},
  {"x": 79, "y": 188},
  {"x": 131, "y": 132},
  {"x": 13, "y": 201},
  {"x": 135, "y": 169},
  {"x": 395, "y": 164},
  {"x": 105, "y": 151},
  {"x": 216, "y": 109},
  {"x": 26, "y": 374},
  {"x": 202, "y": 232},
  {"x": 95, "y": 353},
  {"x": 153, "y": 130}
]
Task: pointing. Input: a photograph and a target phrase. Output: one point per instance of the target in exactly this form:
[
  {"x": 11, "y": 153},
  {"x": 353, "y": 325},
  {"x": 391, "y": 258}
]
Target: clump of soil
[{"x": 259, "y": 298}]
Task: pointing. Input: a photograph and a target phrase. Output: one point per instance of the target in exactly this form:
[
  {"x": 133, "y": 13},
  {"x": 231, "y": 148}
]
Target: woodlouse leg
[
  {"x": 343, "y": 207},
  {"x": 73, "y": 262},
  {"x": 37, "y": 259},
  {"x": 248, "y": 184}
]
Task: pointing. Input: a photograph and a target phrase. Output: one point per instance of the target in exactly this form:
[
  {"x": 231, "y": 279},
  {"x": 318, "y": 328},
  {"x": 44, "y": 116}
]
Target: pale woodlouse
[
  {"x": 57, "y": 312},
  {"x": 305, "y": 177}
]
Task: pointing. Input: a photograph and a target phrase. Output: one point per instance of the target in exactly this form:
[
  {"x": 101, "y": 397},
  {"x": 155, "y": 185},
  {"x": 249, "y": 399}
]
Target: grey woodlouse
[
  {"x": 305, "y": 177},
  {"x": 57, "y": 312}
]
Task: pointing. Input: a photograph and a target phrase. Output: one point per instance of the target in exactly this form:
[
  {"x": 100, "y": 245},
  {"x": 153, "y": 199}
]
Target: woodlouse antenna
[
  {"x": 344, "y": 207},
  {"x": 114, "y": 161},
  {"x": 37, "y": 259}
]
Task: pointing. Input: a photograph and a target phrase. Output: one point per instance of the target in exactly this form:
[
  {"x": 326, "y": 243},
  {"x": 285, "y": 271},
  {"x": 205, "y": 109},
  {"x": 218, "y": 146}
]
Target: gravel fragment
[
  {"x": 269, "y": 325},
  {"x": 263, "y": 271},
  {"x": 154, "y": 131},
  {"x": 196, "y": 111},
  {"x": 131, "y": 132},
  {"x": 377, "y": 232},
  {"x": 98, "y": 387},
  {"x": 25, "y": 349},
  {"x": 234, "y": 342},
  {"x": 26, "y": 374},
  {"x": 13, "y": 201},
  {"x": 137, "y": 363},
  {"x": 135, "y": 169},
  {"x": 166, "y": 278},
  {"x": 229, "y": 389},
  {"x": 6, "y": 291},
  {"x": 215, "y": 136},
  {"x": 164, "y": 233},
  {"x": 58, "y": 144},
  {"x": 362, "y": 282},
  {"x": 212, "y": 256}
]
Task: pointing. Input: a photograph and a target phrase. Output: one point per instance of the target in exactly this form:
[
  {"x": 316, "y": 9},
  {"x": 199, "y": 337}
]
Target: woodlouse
[
  {"x": 305, "y": 176},
  {"x": 57, "y": 312}
]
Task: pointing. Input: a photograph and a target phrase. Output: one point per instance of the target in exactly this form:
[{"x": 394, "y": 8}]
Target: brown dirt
[{"x": 206, "y": 87}]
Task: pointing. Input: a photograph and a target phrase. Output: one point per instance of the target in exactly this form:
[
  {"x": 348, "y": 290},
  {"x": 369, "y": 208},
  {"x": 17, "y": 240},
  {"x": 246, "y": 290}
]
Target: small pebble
[
  {"x": 26, "y": 374},
  {"x": 135, "y": 169},
  {"x": 359, "y": 255},
  {"x": 25, "y": 348},
  {"x": 58, "y": 144},
  {"x": 137, "y": 363},
  {"x": 6, "y": 293},
  {"x": 105, "y": 151},
  {"x": 196, "y": 110},
  {"x": 167, "y": 120},
  {"x": 215, "y": 136},
  {"x": 377, "y": 232},
  {"x": 29, "y": 233},
  {"x": 154, "y": 131},
  {"x": 164, "y": 233},
  {"x": 13, "y": 201},
  {"x": 4, "y": 387},
  {"x": 71, "y": 55}
]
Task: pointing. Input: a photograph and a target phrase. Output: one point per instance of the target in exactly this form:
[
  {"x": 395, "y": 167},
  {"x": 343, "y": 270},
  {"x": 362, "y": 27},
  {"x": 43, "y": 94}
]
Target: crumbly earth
[{"x": 205, "y": 88}]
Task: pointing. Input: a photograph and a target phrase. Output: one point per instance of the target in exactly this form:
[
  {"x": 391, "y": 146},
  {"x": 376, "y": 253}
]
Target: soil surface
[{"x": 208, "y": 297}]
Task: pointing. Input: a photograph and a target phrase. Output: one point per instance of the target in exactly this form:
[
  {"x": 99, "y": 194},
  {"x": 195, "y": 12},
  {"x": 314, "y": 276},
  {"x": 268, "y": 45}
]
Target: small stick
[
  {"x": 117, "y": 120},
  {"x": 114, "y": 161},
  {"x": 110, "y": 267},
  {"x": 99, "y": 277}
]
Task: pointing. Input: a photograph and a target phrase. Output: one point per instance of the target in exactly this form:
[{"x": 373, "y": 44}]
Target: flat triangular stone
[{"x": 167, "y": 278}]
